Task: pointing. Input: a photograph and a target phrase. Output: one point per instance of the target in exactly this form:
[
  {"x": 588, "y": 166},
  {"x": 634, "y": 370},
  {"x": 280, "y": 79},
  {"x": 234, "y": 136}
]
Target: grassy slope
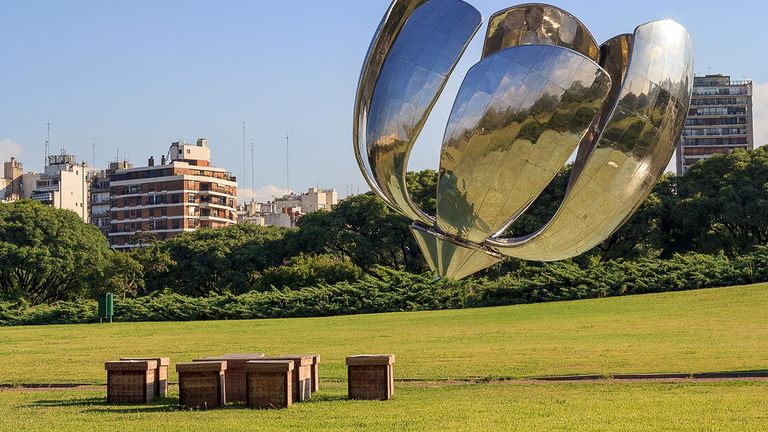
[
  {"x": 707, "y": 330},
  {"x": 577, "y": 407}
]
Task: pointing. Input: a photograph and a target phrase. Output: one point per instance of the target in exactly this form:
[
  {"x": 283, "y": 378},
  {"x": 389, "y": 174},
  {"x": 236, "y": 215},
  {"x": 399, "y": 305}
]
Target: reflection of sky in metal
[
  {"x": 535, "y": 96},
  {"x": 418, "y": 61}
]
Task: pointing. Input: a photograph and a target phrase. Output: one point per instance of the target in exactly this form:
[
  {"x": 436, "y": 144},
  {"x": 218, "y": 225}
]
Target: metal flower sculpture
[{"x": 542, "y": 90}]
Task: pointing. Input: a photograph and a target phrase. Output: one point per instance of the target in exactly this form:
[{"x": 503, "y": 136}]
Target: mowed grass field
[{"x": 713, "y": 330}]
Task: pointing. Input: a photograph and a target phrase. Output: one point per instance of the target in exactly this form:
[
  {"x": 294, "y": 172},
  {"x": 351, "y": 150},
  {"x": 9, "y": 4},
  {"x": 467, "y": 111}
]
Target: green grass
[
  {"x": 707, "y": 330},
  {"x": 490, "y": 407},
  {"x": 722, "y": 329}
]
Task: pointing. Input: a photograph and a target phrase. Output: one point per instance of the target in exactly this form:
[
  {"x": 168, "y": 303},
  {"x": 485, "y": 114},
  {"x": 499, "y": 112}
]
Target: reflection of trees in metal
[{"x": 542, "y": 90}]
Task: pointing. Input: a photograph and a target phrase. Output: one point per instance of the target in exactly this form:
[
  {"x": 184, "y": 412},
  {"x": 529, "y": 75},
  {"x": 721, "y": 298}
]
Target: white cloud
[
  {"x": 760, "y": 113},
  {"x": 264, "y": 194},
  {"x": 9, "y": 149}
]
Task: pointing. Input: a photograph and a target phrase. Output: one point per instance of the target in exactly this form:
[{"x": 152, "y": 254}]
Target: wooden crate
[
  {"x": 269, "y": 383},
  {"x": 371, "y": 376},
  {"x": 235, "y": 373},
  {"x": 315, "y": 371},
  {"x": 161, "y": 373},
  {"x": 130, "y": 381},
  {"x": 201, "y": 384},
  {"x": 302, "y": 374}
]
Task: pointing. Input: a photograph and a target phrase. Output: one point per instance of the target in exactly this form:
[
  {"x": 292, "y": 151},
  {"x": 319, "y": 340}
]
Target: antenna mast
[
  {"x": 47, "y": 142},
  {"x": 253, "y": 175},
  {"x": 287, "y": 166},
  {"x": 244, "y": 171},
  {"x": 93, "y": 156}
]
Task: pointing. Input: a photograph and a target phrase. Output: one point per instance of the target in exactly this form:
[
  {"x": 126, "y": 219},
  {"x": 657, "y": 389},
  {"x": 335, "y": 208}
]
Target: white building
[
  {"x": 10, "y": 183},
  {"x": 63, "y": 185},
  {"x": 286, "y": 210},
  {"x": 313, "y": 200}
]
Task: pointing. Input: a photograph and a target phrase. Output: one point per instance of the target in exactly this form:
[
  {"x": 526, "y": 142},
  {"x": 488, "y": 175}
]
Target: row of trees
[{"x": 48, "y": 255}]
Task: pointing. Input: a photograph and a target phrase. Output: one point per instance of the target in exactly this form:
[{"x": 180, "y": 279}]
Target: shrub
[{"x": 387, "y": 290}]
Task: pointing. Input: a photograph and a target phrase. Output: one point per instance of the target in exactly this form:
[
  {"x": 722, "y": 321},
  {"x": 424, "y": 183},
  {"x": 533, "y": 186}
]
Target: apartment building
[
  {"x": 10, "y": 184},
  {"x": 286, "y": 210},
  {"x": 313, "y": 200},
  {"x": 719, "y": 120},
  {"x": 183, "y": 193},
  {"x": 100, "y": 198},
  {"x": 62, "y": 185}
]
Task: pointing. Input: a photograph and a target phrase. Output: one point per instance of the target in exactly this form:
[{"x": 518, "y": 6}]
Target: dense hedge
[{"x": 400, "y": 291}]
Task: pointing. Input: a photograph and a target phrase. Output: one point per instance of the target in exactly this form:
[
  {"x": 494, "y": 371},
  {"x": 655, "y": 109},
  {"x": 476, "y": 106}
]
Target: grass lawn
[
  {"x": 726, "y": 406},
  {"x": 722, "y": 329}
]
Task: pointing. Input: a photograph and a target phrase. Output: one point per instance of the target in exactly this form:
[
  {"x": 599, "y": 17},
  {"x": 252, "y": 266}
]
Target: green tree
[
  {"x": 307, "y": 271},
  {"x": 124, "y": 276},
  {"x": 48, "y": 254},
  {"x": 724, "y": 202},
  {"x": 156, "y": 264},
  {"x": 221, "y": 260},
  {"x": 422, "y": 186},
  {"x": 363, "y": 229}
]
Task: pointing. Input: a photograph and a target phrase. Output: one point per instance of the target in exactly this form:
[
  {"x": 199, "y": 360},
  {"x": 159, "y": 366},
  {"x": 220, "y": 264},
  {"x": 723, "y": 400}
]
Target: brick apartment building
[{"x": 170, "y": 198}]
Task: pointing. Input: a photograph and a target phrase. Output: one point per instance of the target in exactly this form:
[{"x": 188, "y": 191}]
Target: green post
[
  {"x": 102, "y": 307},
  {"x": 106, "y": 307},
  {"x": 110, "y": 306}
]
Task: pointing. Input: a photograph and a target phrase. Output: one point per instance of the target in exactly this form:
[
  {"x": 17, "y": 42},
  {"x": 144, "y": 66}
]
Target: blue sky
[{"x": 137, "y": 75}]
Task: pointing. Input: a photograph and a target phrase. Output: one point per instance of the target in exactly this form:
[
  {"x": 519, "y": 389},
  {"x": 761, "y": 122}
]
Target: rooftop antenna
[
  {"x": 47, "y": 142},
  {"x": 93, "y": 156},
  {"x": 253, "y": 176},
  {"x": 244, "y": 171},
  {"x": 287, "y": 166}
]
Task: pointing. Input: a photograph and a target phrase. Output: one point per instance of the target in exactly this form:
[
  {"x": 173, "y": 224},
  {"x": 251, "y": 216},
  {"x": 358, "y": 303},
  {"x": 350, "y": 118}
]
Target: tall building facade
[
  {"x": 184, "y": 194},
  {"x": 719, "y": 120},
  {"x": 11, "y": 183},
  {"x": 100, "y": 199},
  {"x": 63, "y": 185}
]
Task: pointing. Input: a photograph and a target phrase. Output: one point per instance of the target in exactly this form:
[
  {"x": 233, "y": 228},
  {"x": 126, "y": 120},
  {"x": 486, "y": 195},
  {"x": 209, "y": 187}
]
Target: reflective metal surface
[
  {"x": 631, "y": 152},
  {"x": 537, "y": 23},
  {"x": 518, "y": 117},
  {"x": 414, "y": 51},
  {"x": 449, "y": 256},
  {"x": 541, "y": 89}
]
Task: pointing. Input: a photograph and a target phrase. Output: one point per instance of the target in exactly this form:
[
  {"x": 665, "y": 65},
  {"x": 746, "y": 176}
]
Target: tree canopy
[{"x": 48, "y": 254}]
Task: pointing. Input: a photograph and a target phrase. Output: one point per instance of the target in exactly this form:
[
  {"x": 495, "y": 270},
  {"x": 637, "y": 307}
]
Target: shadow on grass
[
  {"x": 319, "y": 398},
  {"x": 74, "y": 402}
]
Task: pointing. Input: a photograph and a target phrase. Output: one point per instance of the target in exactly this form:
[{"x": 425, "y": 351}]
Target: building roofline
[{"x": 180, "y": 164}]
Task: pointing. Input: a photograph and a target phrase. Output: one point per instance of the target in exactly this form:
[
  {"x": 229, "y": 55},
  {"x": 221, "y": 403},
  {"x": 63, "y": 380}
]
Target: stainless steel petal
[
  {"x": 450, "y": 257},
  {"x": 631, "y": 151},
  {"x": 518, "y": 117},
  {"x": 536, "y": 23},
  {"x": 614, "y": 58},
  {"x": 416, "y": 46}
]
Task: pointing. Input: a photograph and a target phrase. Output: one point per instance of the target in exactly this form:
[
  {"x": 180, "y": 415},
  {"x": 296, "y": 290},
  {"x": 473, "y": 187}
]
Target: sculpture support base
[{"x": 449, "y": 257}]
